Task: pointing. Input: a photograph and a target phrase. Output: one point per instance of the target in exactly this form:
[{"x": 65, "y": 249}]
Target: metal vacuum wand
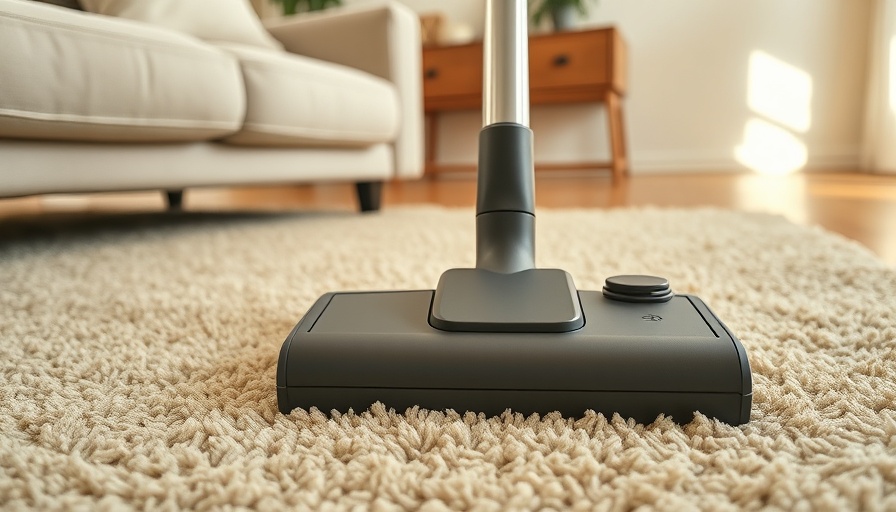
[
  {"x": 505, "y": 205},
  {"x": 505, "y": 91}
]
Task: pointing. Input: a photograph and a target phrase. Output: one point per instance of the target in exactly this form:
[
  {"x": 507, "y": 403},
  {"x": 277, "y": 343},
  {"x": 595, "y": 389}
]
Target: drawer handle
[
  {"x": 561, "y": 60},
  {"x": 432, "y": 73}
]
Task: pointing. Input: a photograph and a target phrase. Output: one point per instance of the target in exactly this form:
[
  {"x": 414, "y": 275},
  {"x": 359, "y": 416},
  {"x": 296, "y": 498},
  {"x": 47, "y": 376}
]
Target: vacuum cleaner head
[
  {"x": 638, "y": 359},
  {"x": 505, "y": 335}
]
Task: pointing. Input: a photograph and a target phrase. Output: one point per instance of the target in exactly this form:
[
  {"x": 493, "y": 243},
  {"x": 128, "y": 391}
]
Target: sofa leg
[
  {"x": 175, "y": 199},
  {"x": 370, "y": 194}
]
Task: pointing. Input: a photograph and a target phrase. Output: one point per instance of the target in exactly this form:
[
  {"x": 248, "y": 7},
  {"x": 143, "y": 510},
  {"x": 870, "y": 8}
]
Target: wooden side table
[{"x": 564, "y": 67}]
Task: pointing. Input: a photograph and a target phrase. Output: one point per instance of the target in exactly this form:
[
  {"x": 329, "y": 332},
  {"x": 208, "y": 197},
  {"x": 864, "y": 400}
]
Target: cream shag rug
[{"x": 137, "y": 358}]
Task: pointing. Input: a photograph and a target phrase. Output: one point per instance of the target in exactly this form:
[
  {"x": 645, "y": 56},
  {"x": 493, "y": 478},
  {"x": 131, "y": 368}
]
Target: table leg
[
  {"x": 432, "y": 127},
  {"x": 617, "y": 135}
]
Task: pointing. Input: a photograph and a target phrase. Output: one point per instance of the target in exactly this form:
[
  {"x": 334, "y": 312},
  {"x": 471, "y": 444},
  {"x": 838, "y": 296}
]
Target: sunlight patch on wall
[
  {"x": 771, "y": 150},
  {"x": 780, "y": 92},
  {"x": 780, "y": 95}
]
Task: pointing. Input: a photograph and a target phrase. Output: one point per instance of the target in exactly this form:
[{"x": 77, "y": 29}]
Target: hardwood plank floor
[{"x": 856, "y": 205}]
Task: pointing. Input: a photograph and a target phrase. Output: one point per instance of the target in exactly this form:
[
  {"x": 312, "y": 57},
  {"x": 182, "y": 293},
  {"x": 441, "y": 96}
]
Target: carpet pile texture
[{"x": 137, "y": 360}]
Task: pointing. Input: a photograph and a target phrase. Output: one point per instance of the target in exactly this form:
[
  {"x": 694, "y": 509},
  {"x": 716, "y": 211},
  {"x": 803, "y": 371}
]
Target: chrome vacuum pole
[{"x": 505, "y": 91}]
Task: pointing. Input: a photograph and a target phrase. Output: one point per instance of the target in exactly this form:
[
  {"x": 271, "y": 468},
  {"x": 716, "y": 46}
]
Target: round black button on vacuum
[
  {"x": 637, "y": 284},
  {"x": 637, "y": 288}
]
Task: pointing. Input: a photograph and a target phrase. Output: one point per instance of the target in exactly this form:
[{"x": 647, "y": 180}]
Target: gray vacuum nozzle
[{"x": 505, "y": 204}]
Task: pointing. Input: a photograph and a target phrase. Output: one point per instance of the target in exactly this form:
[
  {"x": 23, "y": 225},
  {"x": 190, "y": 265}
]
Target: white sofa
[{"x": 90, "y": 102}]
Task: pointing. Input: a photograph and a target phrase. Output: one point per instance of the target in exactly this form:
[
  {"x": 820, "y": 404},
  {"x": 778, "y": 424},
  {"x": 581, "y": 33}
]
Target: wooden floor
[{"x": 859, "y": 206}]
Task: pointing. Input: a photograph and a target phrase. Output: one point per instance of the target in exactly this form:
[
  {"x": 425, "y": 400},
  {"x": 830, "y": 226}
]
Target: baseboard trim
[
  {"x": 654, "y": 162},
  {"x": 846, "y": 159}
]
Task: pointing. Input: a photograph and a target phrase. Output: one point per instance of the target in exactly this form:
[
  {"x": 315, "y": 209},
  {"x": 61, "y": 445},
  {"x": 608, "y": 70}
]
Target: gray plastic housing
[{"x": 640, "y": 360}]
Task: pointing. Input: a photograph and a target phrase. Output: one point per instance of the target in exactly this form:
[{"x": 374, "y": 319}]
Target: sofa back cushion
[
  {"x": 232, "y": 21},
  {"x": 71, "y": 4},
  {"x": 71, "y": 75}
]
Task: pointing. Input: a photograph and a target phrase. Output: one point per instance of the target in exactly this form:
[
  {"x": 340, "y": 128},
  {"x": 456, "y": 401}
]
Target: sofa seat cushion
[
  {"x": 80, "y": 76},
  {"x": 299, "y": 101}
]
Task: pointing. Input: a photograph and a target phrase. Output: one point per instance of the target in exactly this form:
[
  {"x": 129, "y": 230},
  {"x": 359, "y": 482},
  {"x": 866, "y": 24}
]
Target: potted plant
[
  {"x": 563, "y": 12},
  {"x": 294, "y": 6}
]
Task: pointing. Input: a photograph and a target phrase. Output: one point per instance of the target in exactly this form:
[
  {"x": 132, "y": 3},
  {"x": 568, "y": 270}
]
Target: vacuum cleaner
[{"x": 506, "y": 335}]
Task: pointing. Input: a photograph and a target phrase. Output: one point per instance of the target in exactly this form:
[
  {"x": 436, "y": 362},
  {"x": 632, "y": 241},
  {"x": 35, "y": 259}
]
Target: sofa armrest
[{"x": 382, "y": 39}]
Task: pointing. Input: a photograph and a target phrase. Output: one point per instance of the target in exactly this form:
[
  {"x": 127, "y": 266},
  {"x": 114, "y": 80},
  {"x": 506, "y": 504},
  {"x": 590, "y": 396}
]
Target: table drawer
[
  {"x": 452, "y": 71},
  {"x": 563, "y": 67},
  {"x": 569, "y": 60}
]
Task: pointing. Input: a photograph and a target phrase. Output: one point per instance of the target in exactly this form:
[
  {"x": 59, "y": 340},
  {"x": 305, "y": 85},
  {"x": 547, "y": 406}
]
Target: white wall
[{"x": 689, "y": 70}]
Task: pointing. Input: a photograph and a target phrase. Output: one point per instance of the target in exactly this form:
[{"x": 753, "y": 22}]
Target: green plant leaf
[
  {"x": 294, "y": 6},
  {"x": 540, "y": 8}
]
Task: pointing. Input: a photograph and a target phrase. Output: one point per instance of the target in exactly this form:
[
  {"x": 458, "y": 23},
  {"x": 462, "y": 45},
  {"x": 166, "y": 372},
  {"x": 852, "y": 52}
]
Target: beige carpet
[{"x": 137, "y": 358}]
